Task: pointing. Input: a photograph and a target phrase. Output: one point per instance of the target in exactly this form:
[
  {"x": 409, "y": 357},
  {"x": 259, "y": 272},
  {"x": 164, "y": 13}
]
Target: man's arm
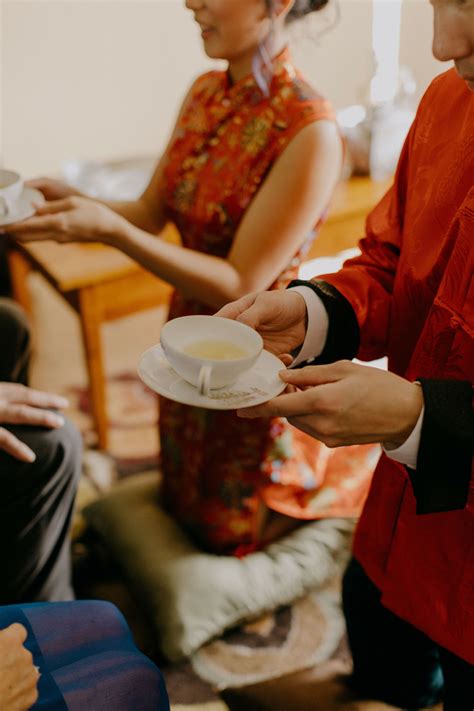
[
  {"x": 358, "y": 297},
  {"x": 438, "y": 453}
]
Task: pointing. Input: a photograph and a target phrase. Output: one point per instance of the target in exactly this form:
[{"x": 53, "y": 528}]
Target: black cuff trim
[
  {"x": 443, "y": 472},
  {"x": 343, "y": 333}
]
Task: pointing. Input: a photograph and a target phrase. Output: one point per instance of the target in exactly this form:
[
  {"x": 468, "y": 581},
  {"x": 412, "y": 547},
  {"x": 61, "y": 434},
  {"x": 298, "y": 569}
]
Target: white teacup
[
  {"x": 210, "y": 352},
  {"x": 11, "y": 188}
]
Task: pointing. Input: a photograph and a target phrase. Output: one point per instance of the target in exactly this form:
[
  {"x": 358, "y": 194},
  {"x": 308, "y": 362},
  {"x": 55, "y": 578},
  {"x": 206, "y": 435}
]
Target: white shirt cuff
[
  {"x": 318, "y": 324},
  {"x": 313, "y": 345},
  {"x": 407, "y": 453}
]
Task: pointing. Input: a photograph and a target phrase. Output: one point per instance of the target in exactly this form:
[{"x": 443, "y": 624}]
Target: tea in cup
[
  {"x": 11, "y": 188},
  {"x": 210, "y": 352}
]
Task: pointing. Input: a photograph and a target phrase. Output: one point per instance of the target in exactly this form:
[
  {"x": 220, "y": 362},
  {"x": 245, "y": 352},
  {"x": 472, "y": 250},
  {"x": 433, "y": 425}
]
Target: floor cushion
[{"x": 191, "y": 596}]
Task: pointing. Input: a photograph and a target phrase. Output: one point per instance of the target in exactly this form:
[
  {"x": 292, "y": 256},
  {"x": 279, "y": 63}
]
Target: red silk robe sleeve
[{"x": 367, "y": 281}]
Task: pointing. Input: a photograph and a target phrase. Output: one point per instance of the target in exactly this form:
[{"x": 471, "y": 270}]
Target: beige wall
[
  {"x": 417, "y": 33},
  {"x": 100, "y": 78},
  {"x": 92, "y": 79}
]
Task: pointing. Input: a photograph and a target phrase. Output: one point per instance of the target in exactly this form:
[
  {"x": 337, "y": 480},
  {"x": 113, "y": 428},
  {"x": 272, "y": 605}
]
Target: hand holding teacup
[
  {"x": 72, "y": 219},
  {"x": 339, "y": 404},
  {"x": 279, "y": 316}
]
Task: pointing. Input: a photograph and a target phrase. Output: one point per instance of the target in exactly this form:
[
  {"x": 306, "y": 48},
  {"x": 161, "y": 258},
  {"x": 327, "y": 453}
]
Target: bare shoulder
[{"x": 317, "y": 139}]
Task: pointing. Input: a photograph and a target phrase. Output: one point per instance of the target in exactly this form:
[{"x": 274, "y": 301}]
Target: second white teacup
[
  {"x": 11, "y": 188},
  {"x": 210, "y": 352}
]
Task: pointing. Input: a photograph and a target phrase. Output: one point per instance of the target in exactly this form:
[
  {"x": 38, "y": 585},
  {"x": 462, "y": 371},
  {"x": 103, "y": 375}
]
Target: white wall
[{"x": 104, "y": 78}]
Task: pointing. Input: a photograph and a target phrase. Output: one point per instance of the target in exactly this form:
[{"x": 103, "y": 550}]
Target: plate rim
[{"x": 148, "y": 382}]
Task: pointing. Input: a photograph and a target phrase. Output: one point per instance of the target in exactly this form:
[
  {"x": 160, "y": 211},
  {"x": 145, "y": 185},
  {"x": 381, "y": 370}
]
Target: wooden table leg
[
  {"x": 91, "y": 317},
  {"x": 20, "y": 267}
]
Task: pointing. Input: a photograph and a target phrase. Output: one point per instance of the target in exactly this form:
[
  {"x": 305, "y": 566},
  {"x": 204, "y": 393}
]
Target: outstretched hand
[
  {"x": 345, "y": 403},
  {"x": 72, "y": 219}
]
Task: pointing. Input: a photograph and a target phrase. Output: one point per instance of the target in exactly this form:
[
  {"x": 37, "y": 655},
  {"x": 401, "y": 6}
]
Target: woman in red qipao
[{"x": 246, "y": 179}]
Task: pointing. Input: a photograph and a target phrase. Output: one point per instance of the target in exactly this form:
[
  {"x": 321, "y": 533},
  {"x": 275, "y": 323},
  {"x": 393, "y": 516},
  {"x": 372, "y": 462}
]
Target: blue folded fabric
[
  {"x": 50, "y": 697},
  {"x": 87, "y": 658}
]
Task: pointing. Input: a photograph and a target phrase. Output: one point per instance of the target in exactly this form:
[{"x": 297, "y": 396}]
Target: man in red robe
[{"x": 409, "y": 591}]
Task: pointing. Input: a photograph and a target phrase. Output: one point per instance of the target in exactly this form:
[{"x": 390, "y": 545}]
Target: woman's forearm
[
  {"x": 139, "y": 212},
  {"x": 211, "y": 280}
]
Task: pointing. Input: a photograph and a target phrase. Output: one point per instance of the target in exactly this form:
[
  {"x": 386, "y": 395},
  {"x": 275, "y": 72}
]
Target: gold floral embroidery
[
  {"x": 198, "y": 119},
  {"x": 255, "y": 135},
  {"x": 184, "y": 194}
]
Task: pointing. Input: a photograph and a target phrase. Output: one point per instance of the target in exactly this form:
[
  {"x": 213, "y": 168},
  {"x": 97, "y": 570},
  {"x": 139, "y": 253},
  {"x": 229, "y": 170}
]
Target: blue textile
[{"x": 87, "y": 658}]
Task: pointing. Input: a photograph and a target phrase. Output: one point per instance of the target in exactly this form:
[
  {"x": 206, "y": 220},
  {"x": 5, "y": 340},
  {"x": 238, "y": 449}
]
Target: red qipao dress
[
  {"x": 412, "y": 291},
  {"x": 217, "y": 469}
]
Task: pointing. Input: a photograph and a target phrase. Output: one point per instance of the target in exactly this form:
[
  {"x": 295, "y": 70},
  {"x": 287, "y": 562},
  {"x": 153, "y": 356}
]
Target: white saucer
[
  {"x": 24, "y": 207},
  {"x": 257, "y": 385}
]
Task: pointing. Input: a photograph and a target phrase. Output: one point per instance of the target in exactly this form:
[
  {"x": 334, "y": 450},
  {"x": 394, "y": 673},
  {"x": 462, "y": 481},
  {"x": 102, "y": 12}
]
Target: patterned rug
[
  {"x": 133, "y": 422},
  {"x": 293, "y": 638}
]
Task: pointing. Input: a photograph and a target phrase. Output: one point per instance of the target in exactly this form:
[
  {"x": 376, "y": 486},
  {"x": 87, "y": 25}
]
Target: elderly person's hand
[
  {"x": 345, "y": 403},
  {"x": 18, "y": 675},
  {"x": 73, "y": 219},
  {"x": 278, "y": 316},
  {"x": 20, "y": 405}
]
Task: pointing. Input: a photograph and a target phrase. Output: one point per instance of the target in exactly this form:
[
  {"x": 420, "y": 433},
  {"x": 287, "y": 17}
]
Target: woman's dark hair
[
  {"x": 305, "y": 7},
  {"x": 261, "y": 65},
  {"x": 300, "y": 8}
]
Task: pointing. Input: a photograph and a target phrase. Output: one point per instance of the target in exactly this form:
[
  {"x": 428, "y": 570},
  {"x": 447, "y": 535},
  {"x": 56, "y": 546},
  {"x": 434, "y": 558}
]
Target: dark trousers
[
  {"x": 394, "y": 661},
  {"x": 36, "y": 500}
]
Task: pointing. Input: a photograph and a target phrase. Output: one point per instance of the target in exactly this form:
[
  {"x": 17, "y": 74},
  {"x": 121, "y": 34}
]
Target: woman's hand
[
  {"x": 278, "y": 316},
  {"x": 18, "y": 675},
  {"x": 345, "y": 403},
  {"x": 53, "y": 189},
  {"x": 74, "y": 219}
]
